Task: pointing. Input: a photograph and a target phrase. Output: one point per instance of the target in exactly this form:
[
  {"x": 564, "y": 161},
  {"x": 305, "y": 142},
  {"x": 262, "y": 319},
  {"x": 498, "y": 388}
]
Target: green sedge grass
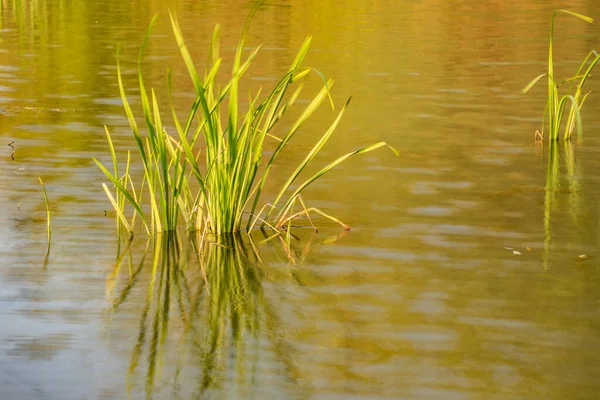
[
  {"x": 221, "y": 189},
  {"x": 575, "y": 97}
]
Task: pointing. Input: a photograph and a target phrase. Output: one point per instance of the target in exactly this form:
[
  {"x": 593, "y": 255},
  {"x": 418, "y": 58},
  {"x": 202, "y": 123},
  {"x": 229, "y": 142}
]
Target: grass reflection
[
  {"x": 210, "y": 297},
  {"x": 561, "y": 167},
  {"x": 29, "y": 17}
]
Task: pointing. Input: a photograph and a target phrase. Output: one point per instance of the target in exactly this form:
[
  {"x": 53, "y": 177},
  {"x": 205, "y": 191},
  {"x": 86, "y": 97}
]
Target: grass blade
[
  {"x": 532, "y": 83},
  {"x": 328, "y": 168},
  {"x": 117, "y": 209},
  {"x": 48, "y": 229}
]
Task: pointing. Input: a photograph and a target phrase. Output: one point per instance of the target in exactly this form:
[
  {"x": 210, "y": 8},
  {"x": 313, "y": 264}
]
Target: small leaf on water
[
  {"x": 583, "y": 257},
  {"x": 516, "y": 253},
  {"x": 528, "y": 248}
]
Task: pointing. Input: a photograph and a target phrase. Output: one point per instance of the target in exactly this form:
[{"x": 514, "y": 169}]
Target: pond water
[{"x": 472, "y": 267}]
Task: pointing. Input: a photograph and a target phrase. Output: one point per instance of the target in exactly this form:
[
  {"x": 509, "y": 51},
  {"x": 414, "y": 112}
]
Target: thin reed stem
[{"x": 48, "y": 229}]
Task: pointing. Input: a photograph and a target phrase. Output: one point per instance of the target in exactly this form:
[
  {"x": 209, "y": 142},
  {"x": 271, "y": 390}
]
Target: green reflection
[
  {"x": 29, "y": 18},
  {"x": 210, "y": 296},
  {"x": 560, "y": 167}
]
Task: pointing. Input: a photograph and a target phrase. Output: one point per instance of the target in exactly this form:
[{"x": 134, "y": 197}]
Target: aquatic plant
[
  {"x": 556, "y": 103},
  {"x": 223, "y": 192}
]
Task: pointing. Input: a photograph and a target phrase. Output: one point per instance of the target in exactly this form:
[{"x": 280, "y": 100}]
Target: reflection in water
[
  {"x": 210, "y": 297},
  {"x": 554, "y": 187}
]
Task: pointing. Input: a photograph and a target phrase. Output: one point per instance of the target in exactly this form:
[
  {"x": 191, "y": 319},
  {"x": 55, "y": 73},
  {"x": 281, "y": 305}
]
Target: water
[{"x": 455, "y": 282}]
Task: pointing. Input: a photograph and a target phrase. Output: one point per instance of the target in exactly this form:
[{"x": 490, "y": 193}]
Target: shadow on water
[
  {"x": 562, "y": 179},
  {"x": 210, "y": 297}
]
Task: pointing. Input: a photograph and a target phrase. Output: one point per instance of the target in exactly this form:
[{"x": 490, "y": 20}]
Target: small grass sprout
[
  {"x": 219, "y": 189},
  {"x": 48, "y": 229},
  {"x": 575, "y": 96}
]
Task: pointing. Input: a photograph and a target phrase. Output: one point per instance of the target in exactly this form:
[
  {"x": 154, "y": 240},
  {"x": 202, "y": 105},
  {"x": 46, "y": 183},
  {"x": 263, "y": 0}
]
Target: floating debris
[
  {"x": 46, "y": 109},
  {"x": 12, "y": 155},
  {"x": 516, "y": 252}
]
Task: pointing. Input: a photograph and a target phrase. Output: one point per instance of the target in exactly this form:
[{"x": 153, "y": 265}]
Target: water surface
[{"x": 464, "y": 276}]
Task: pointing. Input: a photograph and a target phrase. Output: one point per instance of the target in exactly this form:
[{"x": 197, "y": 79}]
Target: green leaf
[{"x": 532, "y": 83}]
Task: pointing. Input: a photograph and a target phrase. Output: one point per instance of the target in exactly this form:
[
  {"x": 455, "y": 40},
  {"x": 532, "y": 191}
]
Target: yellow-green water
[{"x": 423, "y": 299}]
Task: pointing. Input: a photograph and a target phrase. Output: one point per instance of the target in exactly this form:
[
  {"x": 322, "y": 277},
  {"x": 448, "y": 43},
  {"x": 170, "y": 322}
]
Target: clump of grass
[
  {"x": 219, "y": 191},
  {"x": 556, "y": 103}
]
